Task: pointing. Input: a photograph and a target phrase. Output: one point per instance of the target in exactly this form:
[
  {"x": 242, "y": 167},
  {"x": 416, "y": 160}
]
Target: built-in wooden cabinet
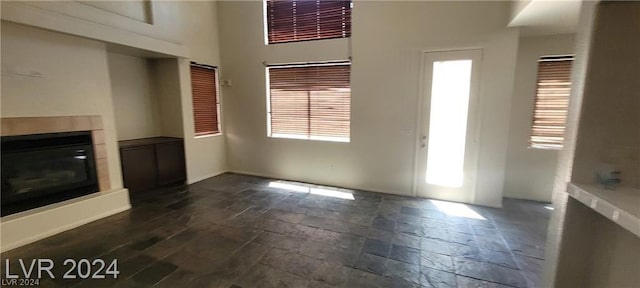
[
  {"x": 170, "y": 162},
  {"x": 150, "y": 163}
]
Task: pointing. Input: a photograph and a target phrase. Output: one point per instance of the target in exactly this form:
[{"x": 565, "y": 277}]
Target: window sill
[
  {"x": 545, "y": 148},
  {"x": 316, "y": 139},
  {"x": 207, "y": 135}
]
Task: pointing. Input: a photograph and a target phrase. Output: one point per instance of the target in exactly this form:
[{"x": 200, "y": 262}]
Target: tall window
[
  {"x": 551, "y": 102},
  {"x": 300, "y": 20},
  {"x": 204, "y": 90},
  {"x": 310, "y": 101}
]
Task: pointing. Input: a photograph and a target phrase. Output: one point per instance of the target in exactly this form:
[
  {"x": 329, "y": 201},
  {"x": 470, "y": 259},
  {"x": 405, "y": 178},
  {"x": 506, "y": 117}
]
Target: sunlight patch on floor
[
  {"x": 311, "y": 190},
  {"x": 457, "y": 209}
]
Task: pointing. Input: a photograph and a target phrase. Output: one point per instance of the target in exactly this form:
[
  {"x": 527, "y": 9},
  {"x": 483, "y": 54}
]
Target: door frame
[{"x": 423, "y": 117}]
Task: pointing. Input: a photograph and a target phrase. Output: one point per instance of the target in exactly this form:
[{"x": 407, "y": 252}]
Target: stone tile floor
[{"x": 241, "y": 231}]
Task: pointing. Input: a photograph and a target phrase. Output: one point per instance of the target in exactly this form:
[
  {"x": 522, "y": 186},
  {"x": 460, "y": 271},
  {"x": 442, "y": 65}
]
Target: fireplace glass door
[{"x": 45, "y": 170}]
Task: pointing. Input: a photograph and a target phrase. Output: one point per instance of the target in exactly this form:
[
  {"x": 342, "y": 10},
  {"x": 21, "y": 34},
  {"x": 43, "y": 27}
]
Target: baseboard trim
[
  {"x": 198, "y": 179},
  {"x": 49, "y": 220},
  {"x": 525, "y": 197},
  {"x": 368, "y": 189}
]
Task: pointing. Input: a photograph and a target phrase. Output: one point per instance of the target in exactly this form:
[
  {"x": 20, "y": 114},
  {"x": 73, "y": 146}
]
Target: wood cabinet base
[{"x": 150, "y": 163}]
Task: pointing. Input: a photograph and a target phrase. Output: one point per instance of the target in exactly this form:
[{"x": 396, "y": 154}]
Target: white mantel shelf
[{"x": 622, "y": 205}]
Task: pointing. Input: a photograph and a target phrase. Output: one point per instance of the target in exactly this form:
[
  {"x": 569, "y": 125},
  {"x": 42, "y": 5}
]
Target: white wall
[
  {"x": 387, "y": 43},
  {"x": 135, "y": 99},
  {"x": 579, "y": 71},
  {"x": 609, "y": 129},
  {"x": 139, "y": 10},
  {"x": 495, "y": 102},
  {"x": 50, "y": 74},
  {"x": 167, "y": 85},
  {"x": 110, "y": 22},
  {"x": 530, "y": 172},
  {"x": 172, "y": 102},
  {"x": 74, "y": 81},
  {"x": 186, "y": 29},
  {"x": 206, "y": 156}
]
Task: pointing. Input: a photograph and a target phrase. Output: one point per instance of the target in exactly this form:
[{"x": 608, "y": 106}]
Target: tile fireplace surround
[
  {"x": 39, "y": 125},
  {"x": 28, "y": 226}
]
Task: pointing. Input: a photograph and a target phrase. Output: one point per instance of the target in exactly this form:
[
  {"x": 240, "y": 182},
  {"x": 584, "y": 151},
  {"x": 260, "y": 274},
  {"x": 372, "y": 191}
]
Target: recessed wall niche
[{"x": 146, "y": 96}]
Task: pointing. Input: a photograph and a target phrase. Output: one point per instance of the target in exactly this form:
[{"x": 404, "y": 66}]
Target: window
[
  {"x": 309, "y": 101},
  {"x": 204, "y": 90},
  {"x": 300, "y": 20},
  {"x": 551, "y": 102}
]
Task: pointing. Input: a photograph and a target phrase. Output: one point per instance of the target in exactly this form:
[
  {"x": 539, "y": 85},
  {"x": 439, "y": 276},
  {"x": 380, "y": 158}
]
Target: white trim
[
  {"x": 268, "y": 93},
  {"x": 216, "y": 76},
  {"x": 264, "y": 22},
  {"x": 552, "y": 58},
  {"x": 544, "y": 147},
  {"x": 29, "y": 226},
  {"x": 200, "y": 178},
  {"x": 361, "y": 188},
  {"x": 474, "y": 117},
  {"x": 270, "y": 134},
  {"x": 420, "y": 118},
  {"x": 309, "y": 64},
  {"x": 40, "y": 16},
  {"x": 207, "y": 135},
  {"x": 218, "y": 98},
  {"x": 311, "y": 138}
]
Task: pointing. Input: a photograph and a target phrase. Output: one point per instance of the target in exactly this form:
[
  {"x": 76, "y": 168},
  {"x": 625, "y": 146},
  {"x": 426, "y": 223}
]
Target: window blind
[
  {"x": 299, "y": 20},
  {"x": 310, "y": 102},
  {"x": 551, "y": 102},
  {"x": 205, "y": 99}
]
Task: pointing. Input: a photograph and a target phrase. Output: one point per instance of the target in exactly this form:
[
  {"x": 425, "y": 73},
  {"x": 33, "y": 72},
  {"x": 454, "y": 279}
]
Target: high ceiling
[{"x": 544, "y": 17}]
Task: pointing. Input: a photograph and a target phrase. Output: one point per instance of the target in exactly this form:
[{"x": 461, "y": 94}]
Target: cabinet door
[
  {"x": 139, "y": 168},
  {"x": 171, "y": 167}
]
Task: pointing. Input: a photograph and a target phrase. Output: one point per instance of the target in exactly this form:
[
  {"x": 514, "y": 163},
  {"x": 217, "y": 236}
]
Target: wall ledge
[
  {"x": 26, "y": 227},
  {"x": 619, "y": 205},
  {"x": 25, "y": 14}
]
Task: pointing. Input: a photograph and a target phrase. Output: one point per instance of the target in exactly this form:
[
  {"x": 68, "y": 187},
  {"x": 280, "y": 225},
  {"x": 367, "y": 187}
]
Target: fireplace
[{"x": 43, "y": 169}]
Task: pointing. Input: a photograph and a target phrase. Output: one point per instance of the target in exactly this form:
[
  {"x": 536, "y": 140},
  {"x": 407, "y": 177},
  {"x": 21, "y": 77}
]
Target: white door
[{"x": 448, "y": 151}]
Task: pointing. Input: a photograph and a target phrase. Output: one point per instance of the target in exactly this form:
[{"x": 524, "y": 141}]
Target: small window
[
  {"x": 204, "y": 90},
  {"x": 309, "y": 101},
  {"x": 551, "y": 103},
  {"x": 300, "y": 20}
]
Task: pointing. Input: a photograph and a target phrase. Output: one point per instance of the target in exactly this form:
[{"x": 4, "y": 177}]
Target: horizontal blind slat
[
  {"x": 551, "y": 104},
  {"x": 299, "y": 20},
  {"x": 310, "y": 101},
  {"x": 205, "y": 100}
]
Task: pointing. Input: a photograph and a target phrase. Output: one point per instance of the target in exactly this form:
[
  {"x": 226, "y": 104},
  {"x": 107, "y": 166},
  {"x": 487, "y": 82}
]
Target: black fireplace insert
[{"x": 43, "y": 169}]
